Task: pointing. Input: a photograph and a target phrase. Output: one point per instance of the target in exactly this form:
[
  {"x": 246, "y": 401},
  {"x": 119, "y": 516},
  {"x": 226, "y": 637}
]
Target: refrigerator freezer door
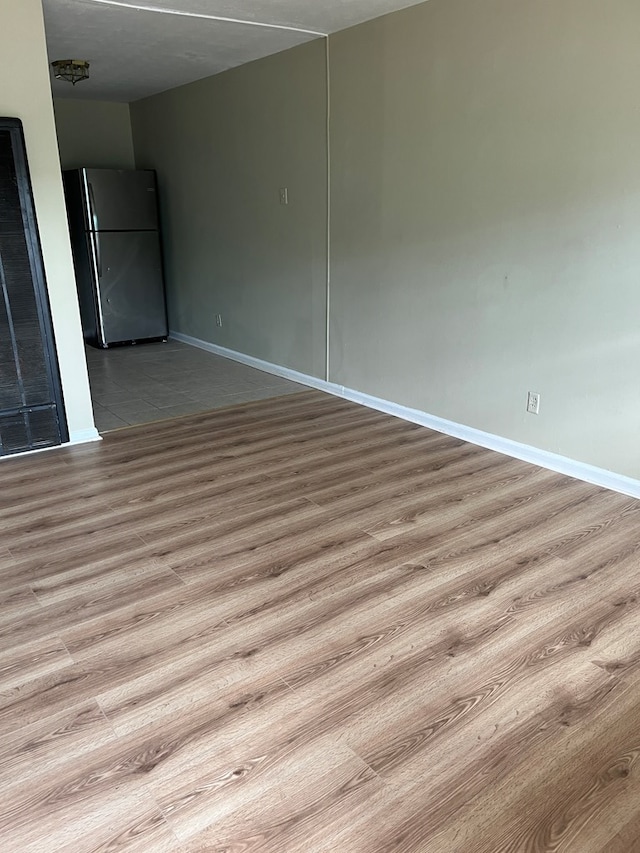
[
  {"x": 130, "y": 286},
  {"x": 120, "y": 200}
]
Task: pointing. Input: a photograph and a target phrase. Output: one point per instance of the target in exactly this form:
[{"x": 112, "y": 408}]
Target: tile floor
[{"x": 151, "y": 382}]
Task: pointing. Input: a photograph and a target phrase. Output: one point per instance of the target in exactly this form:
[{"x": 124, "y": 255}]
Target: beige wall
[
  {"x": 486, "y": 218},
  {"x": 485, "y": 214},
  {"x": 94, "y": 133},
  {"x": 223, "y": 147},
  {"x": 27, "y": 95}
]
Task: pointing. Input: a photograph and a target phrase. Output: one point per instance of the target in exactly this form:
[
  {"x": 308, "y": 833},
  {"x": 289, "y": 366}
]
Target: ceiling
[{"x": 141, "y": 47}]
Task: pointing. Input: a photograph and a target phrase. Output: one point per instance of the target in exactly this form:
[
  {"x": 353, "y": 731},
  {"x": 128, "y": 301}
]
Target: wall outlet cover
[{"x": 533, "y": 403}]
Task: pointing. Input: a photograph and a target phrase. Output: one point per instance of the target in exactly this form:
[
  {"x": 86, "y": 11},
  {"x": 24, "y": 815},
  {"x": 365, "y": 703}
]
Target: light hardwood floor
[{"x": 300, "y": 626}]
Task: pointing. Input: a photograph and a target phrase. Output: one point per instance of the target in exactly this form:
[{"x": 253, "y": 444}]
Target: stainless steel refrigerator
[{"x": 113, "y": 222}]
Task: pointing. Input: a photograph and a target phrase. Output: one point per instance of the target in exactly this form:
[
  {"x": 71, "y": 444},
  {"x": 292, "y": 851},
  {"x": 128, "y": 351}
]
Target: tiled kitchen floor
[{"x": 151, "y": 382}]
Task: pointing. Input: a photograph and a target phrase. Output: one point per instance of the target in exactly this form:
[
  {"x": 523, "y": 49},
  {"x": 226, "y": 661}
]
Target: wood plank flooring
[{"x": 300, "y": 626}]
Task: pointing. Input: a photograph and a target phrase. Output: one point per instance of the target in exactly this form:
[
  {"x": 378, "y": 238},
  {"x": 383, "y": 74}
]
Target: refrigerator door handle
[
  {"x": 96, "y": 263},
  {"x": 96, "y": 242},
  {"x": 92, "y": 208},
  {"x": 93, "y": 225}
]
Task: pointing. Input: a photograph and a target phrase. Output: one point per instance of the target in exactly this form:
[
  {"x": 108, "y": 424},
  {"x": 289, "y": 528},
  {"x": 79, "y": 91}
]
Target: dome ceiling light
[{"x": 72, "y": 70}]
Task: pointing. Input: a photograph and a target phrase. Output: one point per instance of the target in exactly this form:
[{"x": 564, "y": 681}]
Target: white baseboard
[
  {"x": 82, "y": 436},
  {"x": 535, "y": 456},
  {"x": 258, "y": 363}
]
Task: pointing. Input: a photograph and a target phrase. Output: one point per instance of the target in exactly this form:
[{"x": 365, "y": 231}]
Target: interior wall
[
  {"x": 485, "y": 218},
  {"x": 223, "y": 148},
  {"x": 94, "y": 133},
  {"x": 27, "y": 96},
  {"x": 485, "y": 213}
]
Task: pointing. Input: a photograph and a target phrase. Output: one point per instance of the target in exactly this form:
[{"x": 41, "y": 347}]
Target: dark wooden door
[{"x": 31, "y": 408}]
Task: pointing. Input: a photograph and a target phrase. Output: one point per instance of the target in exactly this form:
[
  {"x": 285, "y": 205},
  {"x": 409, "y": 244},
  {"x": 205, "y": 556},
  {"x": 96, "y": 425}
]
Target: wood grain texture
[{"x": 300, "y": 625}]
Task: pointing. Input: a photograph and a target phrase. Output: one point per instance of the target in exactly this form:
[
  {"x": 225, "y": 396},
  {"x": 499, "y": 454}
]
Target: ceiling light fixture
[{"x": 72, "y": 70}]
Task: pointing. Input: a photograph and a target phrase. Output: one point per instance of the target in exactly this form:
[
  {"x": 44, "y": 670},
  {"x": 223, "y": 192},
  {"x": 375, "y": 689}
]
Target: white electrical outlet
[
  {"x": 284, "y": 195},
  {"x": 219, "y": 320},
  {"x": 533, "y": 403}
]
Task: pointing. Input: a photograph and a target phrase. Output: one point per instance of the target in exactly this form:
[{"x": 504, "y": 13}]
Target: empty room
[{"x": 319, "y": 459}]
